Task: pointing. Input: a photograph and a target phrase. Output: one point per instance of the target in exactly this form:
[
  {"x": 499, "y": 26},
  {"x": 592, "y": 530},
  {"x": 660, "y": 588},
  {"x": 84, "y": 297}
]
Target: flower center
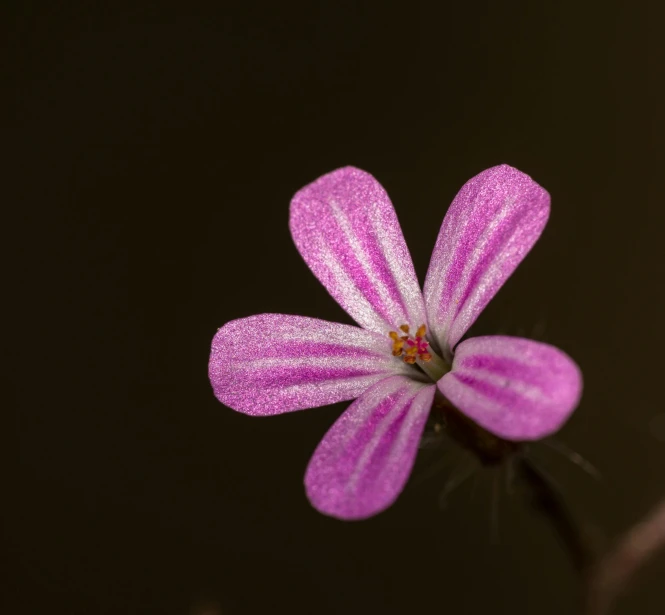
[
  {"x": 415, "y": 347},
  {"x": 408, "y": 347}
]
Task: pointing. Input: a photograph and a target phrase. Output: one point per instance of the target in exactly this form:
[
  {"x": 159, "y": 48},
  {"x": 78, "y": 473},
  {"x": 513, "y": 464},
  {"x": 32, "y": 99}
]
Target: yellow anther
[{"x": 408, "y": 347}]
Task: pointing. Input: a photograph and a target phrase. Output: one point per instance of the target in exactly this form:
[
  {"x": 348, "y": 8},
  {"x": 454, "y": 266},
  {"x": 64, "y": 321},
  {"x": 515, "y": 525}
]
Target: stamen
[
  {"x": 397, "y": 348},
  {"x": 415, "y": 348}
]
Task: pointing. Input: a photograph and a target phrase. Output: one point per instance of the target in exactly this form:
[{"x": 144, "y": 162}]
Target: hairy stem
[{"x": 551, "y": 503}]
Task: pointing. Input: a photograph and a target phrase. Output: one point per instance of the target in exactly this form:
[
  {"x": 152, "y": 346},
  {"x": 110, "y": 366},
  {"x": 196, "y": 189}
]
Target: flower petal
[
  {"x": 515, "y": 388},
  {"x": 490, "y": 226},
  {"x": 272, "y": 363},
  {"x": 345, "y": 228},
  {"x": 364, "y": 461}
]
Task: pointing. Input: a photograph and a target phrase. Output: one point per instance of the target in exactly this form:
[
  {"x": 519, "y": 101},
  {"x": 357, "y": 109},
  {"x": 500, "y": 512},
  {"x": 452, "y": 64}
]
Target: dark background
[{"x": 147, "y": 204}]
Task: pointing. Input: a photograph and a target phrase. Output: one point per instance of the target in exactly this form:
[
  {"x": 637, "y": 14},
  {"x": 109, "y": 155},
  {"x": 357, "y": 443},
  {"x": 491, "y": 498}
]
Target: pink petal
[
  {"x": 364, "y": 461},
  {"x": 490, "y": 226},
  {"x": 271, "y": 363},
  {"x": 515, "y": 388},
  {"x": 345, "y": 228}
]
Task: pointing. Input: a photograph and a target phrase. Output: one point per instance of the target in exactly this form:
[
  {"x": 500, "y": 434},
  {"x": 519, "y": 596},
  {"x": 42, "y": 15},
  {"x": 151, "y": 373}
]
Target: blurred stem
[
  {"x": 604, "y": 578},
  {"x": 613, "y": 573}
]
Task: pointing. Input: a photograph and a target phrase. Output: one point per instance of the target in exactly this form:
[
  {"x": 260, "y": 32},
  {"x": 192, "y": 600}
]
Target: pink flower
[{"x": 407, "y": 348}]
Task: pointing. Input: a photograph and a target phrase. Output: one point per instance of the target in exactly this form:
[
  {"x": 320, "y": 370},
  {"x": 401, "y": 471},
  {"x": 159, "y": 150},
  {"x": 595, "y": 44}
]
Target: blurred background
[{"x": 147, "y": 203}]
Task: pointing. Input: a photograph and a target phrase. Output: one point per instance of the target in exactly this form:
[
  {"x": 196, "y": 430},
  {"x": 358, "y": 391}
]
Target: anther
[
  {"x": 397, "y": 348},
  {"x": 415, "y": 348}
]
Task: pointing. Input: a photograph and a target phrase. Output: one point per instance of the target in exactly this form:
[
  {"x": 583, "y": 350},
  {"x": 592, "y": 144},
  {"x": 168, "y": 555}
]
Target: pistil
[{"x": 415, "y": 349}]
